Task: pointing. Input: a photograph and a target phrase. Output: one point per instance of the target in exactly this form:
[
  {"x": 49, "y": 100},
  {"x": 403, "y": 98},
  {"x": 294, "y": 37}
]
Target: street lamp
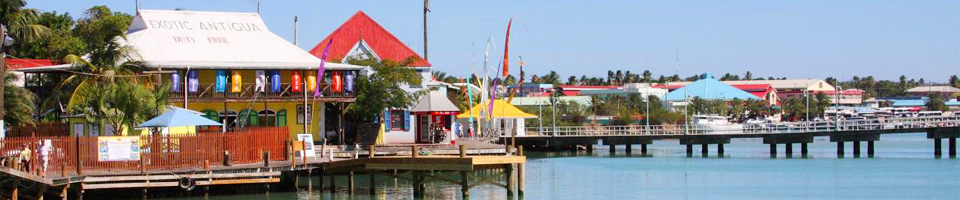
[{"x": 837, "y": 108}]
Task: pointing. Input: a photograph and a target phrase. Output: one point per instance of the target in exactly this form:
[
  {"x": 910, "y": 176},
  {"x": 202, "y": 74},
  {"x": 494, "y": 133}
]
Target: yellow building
[{"x": 232, "y": 69}]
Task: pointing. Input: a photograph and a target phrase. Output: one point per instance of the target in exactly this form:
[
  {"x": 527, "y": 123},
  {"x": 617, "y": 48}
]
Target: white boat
[{"x": 714, "y": 123}]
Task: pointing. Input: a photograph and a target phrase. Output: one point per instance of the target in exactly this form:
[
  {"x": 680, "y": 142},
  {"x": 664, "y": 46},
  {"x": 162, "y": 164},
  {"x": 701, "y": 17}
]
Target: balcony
[{"x": 207, "y": 93}]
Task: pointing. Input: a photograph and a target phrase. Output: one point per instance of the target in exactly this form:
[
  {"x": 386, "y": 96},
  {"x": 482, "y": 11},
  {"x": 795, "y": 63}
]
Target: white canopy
[
  {"x": 215, "y": 40},
  {"x": 435, "y": 101}
]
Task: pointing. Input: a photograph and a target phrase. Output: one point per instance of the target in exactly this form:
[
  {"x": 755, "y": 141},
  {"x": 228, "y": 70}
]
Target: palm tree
[
  {"x": 18, "y": 102},
  {"x": 22, "y": 24}
]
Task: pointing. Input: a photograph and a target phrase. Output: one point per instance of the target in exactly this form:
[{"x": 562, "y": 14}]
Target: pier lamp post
[
  {"x": 806, "y": 96},
  {"x": 837, "y": 108},
  {"x": 646, "y": 115}
]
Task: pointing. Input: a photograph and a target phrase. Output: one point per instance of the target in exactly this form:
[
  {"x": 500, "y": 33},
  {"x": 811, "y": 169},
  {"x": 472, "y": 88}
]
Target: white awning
[{"x": 215, "y": 40}]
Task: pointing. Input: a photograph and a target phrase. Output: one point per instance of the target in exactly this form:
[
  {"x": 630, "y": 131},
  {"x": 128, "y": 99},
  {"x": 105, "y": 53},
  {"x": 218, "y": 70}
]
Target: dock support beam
[
  {"x": 350, "y": 182},
  {"x": 856, "y": 148},
  {"x": 613, "y": 148},
  {"x": 773, "y": 150},
  {"x": 952, "y": 147},
  {"x": 937, "y": 147},
  {"x": 589, "y": 148},
  {"x": 520, "y": 175},
  {"x": 464, "y": 184},
  {"x": 788, "y": 149},
  {"x": 643, "y": 149},
  {"x": 417, "y": 184},
  {"x": 870, "y": 148},
  {"x": 839, "y": 149},
  {"x": 704, "y": 149},
  {"x": 333, "y": 184},
  {"x": 720, "y": 149},
  {"x": 511, "y": 178},
  {"x": 629, "y": 148},
  {"x": 373, "y": 183},
  {"x": 689, "y": 150},
  {"x": 803, "y": 149}
]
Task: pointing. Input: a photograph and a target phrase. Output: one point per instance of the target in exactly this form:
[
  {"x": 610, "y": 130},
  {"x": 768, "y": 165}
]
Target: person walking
[
  {"x": 45, "y": 149},
  {"x": 25, "y": 158}
]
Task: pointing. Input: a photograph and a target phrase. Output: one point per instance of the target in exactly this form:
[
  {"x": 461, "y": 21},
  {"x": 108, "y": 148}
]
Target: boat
[{"x": 715, "y": 123}]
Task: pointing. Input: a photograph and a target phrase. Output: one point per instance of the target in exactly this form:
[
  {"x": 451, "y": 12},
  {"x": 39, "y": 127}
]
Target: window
[
  {"x": 300, "y": 114},
  {"x": 249, "y": 118},
  {"x": 212, "y": 115},
  {"x": 397, "y": 120},
  {"x": 230, "y": 117},
  {"x": 267, "y": 118}
]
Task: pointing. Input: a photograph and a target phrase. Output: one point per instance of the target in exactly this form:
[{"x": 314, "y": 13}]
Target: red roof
[
  {"x": 15, "y": 64},
  {"x": 362, "y": 27}
]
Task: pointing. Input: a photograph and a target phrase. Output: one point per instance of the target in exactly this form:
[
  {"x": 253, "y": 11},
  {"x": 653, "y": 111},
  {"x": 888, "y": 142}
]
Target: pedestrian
[
  {"x": 25, "y": 158},
  {"x": 45, "y": 156}
]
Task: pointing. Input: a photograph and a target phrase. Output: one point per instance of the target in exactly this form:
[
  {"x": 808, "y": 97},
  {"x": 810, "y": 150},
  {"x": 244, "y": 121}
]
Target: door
[{"x": 423, "y": 129}]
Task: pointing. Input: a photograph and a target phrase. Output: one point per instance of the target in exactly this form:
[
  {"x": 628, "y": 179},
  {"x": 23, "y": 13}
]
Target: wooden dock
[{"x": 278, "y": 175}]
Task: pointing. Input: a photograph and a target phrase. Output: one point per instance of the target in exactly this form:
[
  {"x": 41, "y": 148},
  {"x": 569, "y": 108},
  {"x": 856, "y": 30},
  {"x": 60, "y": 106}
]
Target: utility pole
[{"x": 426, "y": 9}]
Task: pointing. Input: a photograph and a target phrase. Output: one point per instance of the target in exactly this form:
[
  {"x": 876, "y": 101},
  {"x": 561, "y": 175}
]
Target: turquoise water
[{"x": 904, "y": 168}]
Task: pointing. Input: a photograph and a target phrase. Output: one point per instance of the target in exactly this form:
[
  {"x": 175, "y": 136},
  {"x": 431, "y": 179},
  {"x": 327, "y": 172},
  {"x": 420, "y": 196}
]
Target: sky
[{"x": 794, "y": 39}]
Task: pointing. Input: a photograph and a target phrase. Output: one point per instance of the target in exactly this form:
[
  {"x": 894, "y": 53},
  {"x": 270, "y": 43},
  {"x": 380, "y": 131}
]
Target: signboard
[
  {"x": 308, "y": 146},
  {"x": 118, "y": 148}
]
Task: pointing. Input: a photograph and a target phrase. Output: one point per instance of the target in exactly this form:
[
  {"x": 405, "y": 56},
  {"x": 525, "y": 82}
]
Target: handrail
[{"x": 764, "y": 128}]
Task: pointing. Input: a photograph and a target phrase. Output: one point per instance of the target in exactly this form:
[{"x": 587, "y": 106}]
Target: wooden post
[
  {"x": 304, "y": 156},
  {"x": 413, "y": 151},
  {"x": 15, "y": 193},
  {"x": 333, "y": 184},
  {"x": 350, "y": 182},
  {"x": 143, "y": 166},
  {"x": 464, "y": 184},
  {"x": 226, "y": 158},
  {"x": 79, "y": 157},
  {"x": 373, "y": 183},
  {"x": 520, "y": 174},
  {"x": 266, "y": 159},
  {"x": 511, "y": 178},
  {"x": 206, "y": 165},
  {"x": 373, "y": 152},
  {"x": 463, "y": 151},
  {"x": 417, "y": 181}
]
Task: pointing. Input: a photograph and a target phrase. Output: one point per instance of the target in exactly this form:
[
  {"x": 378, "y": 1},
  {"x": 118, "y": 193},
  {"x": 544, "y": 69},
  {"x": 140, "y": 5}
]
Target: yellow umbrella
[{"x": 501, "y": 109}]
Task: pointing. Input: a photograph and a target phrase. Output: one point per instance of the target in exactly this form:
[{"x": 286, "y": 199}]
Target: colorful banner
[
  {"x": 506, "y": 47},
  {"x": 221, "y": 81},
  {"x": 118, "y": 148},
  {"x": 193, "y": 82},
  {"x": 295, "y": 82},
  {"x": 261, "y": 81},
  {"x": 275, "y": 84},
  {"x": 175, "y": 81},
  {"x": 236, "y": 82},
  {"x": 348, "y": 79},
  {"x": 337, "y": 80},
  {"x": 311, "y": 82}
]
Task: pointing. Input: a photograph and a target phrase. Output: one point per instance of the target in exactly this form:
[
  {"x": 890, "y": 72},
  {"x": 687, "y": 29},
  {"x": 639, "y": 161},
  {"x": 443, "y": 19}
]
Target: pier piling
[
  {"x": 689, "y": 150},
  {"x": 839, "y": 149},
  {"x": 704, "y": 149},
  {"x": 511, "y": 178},
  {"x": 589, "y": 148},
  {"x": 613, "y": 148},
  {"x": 333, "y": 184},
  {"x": 870, "y": 148},
  {"x": 464, "y": 184},
  {"x": 629, "y": 148},
  {"x": 350, "y": 182},
  {"x": 803, "y": 149},
  {"x": 937, "y": 147},
  {"x": 643, "y": 149},
  {"x": 856, "y": 148},
  {"x": 952, "y": 147},
  {"x": 788, "y": 149},
  {"x": 720, "y": 149},
  {"x": 773, "y": 150}
]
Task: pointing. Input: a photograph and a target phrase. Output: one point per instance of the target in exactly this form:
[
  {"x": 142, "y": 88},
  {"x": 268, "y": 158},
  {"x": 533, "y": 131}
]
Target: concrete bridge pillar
[
  {"x": 643, "y": 149},
  {"x": 629, "y": 148},
  {"x": 870, "y": 149},
  {"x": 704, "y": 149},
  {"x": 589, "y": 148},
  {"x": 689, "y": 150},
  {"x": 949, "y": 133},
  {"x": 613, "y": 148}
]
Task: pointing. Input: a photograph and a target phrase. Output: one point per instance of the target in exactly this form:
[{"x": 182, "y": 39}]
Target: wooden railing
[
  {"x": 249, "y": 92},
  {"x": 159, "y": 152}
]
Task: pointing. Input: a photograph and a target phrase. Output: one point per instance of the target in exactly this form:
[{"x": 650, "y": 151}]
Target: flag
[
  {"x": 506, "y": 47},
  {"x": 193, "y": 81},
  {"x": 323, "y": 59}
]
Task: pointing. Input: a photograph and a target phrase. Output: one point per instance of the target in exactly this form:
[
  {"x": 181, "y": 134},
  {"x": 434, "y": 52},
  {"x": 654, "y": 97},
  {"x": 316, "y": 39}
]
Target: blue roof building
[{"x": 709, "y": 88}]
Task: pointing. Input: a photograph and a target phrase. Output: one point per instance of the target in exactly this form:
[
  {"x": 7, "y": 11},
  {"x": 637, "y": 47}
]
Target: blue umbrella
[{"x": 179, "y": 117}]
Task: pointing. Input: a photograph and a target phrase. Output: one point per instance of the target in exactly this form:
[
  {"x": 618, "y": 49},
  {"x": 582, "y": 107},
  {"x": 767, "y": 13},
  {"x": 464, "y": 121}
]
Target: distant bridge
[{"x": 786, "y": 133}]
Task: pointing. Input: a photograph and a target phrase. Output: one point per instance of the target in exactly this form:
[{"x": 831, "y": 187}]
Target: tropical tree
[
  {"x": 18, "y": 102},
  {"x": 935, "y": 102},
  {"x": 381, "y": 90},
  {"x": 22, "y": 25}
]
